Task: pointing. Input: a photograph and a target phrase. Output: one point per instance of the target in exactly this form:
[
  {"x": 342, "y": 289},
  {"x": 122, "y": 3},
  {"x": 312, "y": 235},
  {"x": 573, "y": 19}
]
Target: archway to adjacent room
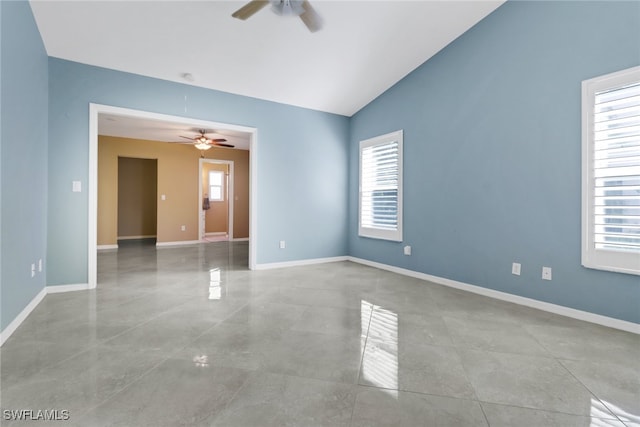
[{"x": 95, "y": 110}]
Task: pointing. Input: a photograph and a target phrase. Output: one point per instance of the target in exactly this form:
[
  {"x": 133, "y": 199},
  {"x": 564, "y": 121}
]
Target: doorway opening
[
  {"x": 128, "y": 115},
  {"x": 217, "y": 192},
  {"x": 137, "y": 194}
]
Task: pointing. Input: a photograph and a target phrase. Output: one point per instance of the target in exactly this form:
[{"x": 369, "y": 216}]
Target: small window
[
  {"x": 216, "y": 186},
  {"x": 380, "y": 196},
  {"x": 611, "y": 172}
]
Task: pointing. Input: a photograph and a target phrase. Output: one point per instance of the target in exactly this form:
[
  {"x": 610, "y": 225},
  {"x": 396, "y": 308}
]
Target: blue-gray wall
[
  {"x": 302, "y": 162},
  {"x": 492, "y": 152},
  {"x": 24, "y": 81}
]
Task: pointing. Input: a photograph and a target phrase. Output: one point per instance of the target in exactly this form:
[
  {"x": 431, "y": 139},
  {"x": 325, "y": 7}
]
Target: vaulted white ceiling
[{"x": 363, "y": 48}]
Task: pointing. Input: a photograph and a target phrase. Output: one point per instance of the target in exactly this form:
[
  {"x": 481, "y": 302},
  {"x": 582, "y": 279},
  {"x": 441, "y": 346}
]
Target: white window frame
[
  {"x": 374, "y": 232},
  {"x": 213, "y": 199},
  {"x": 609, "y": 260}
]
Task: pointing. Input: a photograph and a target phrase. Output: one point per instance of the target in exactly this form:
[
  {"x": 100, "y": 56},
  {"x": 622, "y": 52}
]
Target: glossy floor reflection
[{"x": 188, "y": 336}]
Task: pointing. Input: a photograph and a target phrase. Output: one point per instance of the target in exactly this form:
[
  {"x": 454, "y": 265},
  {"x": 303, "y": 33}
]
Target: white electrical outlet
[
  {"x": 282, "y": 244},
  {"x": 407, "y": 250},
  {"x": 183, "y": 228},
  {"x": 546, "y": 273},
  {"x": 33, "y": 270},
  {"x": 40, "y": 265},
  {"x": 515, "y": 268}
]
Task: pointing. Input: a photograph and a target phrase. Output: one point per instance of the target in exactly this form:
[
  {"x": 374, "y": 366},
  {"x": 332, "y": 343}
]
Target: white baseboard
[
  {"x": 216, "y": 233},
  {"x": 240, "y": 239},
  {"x": 528, "y": 302},
  {"x": 105, "y": 247},
  {"x": 179, "y": 243},
  {"x": 11, "y": 327},
  {"x": 298, "y": 263},
  {"x": 56, "y": 289}
]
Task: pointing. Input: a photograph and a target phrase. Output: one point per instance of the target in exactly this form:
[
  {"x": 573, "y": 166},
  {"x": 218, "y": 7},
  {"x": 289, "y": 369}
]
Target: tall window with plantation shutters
[
  {"x": 380, "y": 204},
  {"x": 611, "y": 172}
]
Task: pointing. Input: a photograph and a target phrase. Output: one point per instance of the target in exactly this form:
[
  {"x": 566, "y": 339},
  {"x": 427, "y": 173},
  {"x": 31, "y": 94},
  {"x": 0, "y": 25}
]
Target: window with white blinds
[
  {"x": 611, "y": 172},
  {"x": 380, "y": 213}
]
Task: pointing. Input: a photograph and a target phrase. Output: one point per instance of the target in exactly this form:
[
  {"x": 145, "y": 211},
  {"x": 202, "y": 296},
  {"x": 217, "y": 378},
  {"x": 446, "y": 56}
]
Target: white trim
[
  {"x": 106, "y": 247},
  {"x": 216, "y": 233},
  {"x": 528, "y": 302},
  {"x": 253, "y": 201},
  {"x": 56, "y": 289},
  {"x": 95, "y": 109},
  {"x": 299, "y": 263},
  {"x": 178, "y": 243},
  {"x": 616, "y": 261},
  {"x": 241, "y": 239},
  {"x": 376, "y": 232},
  {"x": 92, "y": 241},
  {"x": 11, "y": 327},
  {"x": 150, "y": 236}
]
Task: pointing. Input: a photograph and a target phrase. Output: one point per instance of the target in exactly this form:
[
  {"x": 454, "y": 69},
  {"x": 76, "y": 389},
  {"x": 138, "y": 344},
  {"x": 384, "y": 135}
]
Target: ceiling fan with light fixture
[
  {"x": 202, "y": 142},
  {"x": 300, "y": 8}
]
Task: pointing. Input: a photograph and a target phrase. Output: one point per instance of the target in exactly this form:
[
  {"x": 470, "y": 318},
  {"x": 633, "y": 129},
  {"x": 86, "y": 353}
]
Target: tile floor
[{"x": 189, "y": 337}]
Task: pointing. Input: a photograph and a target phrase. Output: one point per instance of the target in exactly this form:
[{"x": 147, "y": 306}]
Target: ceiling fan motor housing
[
  {"x": 287, "y": 7},
  {"x": 299, "y": 8}
]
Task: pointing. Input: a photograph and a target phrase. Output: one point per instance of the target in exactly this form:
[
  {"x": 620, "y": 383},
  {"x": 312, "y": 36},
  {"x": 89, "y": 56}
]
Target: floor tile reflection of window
[{"x": 380, "y": 361}]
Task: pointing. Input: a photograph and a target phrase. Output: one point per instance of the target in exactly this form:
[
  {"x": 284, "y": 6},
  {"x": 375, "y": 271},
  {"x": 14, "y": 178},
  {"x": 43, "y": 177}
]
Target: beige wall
[
  {"x": 217, "y": 216},
  {"x": 178, "y": 167},
  {"x": 137, "y": 189}
]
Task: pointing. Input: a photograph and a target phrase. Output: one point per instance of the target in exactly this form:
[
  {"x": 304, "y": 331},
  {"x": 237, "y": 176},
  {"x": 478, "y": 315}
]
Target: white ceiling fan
[{"x": 300, "y": 8}]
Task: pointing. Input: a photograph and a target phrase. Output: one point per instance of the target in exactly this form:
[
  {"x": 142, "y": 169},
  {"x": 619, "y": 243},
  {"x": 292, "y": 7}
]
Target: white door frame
[
  {"x": 95, "y": 110},
  {"x": 230, "y": 195}
]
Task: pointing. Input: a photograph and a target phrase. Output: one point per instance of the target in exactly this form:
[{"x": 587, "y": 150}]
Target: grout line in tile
[
  {"x": 364, "y": 349},
  {"x": 559, "y": 361},
  {"x": 457, "y": 351},
  {"x": 484, "y": 402},
  {"x": 484, "y": 414}
]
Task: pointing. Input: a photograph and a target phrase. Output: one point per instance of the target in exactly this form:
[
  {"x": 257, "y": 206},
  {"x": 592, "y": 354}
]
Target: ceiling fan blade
[
  {"x": 219, "y": 144},
  {"x": 249, "y": 9},
  {"x": 218, "y": 140},
  {"x": 310, "y": 18},
  {"x": 186, "y": 137}
]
